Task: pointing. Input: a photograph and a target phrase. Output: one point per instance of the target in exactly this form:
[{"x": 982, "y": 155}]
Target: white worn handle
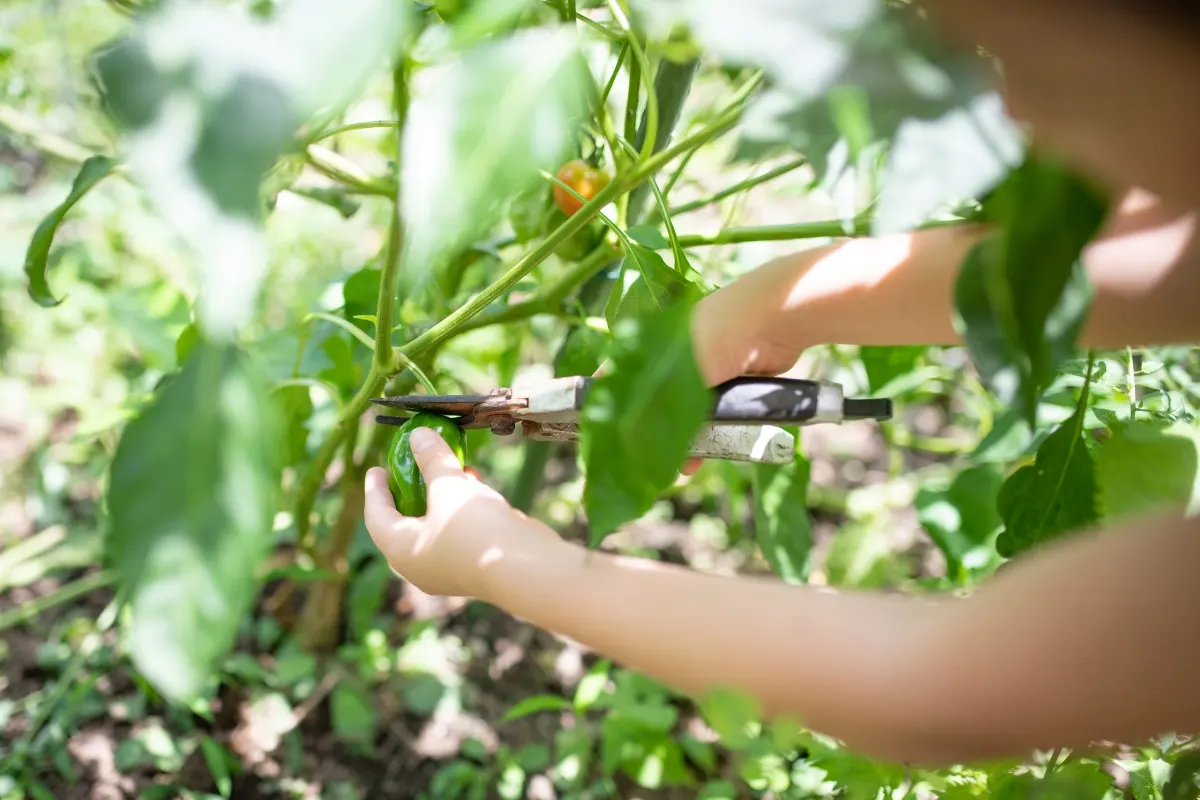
[{"x": 762, "y": 444}]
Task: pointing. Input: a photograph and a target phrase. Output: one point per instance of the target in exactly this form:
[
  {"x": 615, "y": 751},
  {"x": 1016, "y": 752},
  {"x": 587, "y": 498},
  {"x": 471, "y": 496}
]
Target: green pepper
[{"x": 408, "y": 485}]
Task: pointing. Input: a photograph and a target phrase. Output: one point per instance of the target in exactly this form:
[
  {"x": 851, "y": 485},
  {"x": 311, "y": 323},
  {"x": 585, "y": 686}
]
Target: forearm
[
  {"x": 896, "y": 290},
  {"x": 827, "y": 659},
  {"x": 1034, "y": 659}
]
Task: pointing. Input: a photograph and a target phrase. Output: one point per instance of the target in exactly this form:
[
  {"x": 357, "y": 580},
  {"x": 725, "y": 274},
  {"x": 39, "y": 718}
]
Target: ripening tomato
[{"x": 581, "y": 177}]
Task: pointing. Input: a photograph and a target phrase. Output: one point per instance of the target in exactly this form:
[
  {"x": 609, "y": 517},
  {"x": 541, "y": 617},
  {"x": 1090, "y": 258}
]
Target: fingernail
[{"x": 421, "y": 439}]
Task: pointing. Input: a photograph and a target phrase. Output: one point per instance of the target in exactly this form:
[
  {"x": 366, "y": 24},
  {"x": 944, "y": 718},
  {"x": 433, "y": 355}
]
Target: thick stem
[{"x": 385, "y": 359}]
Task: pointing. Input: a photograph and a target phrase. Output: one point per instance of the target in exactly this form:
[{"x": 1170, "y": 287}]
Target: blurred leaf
[
  {"x": 1074, "y": 780},
  {"x": 857, "y": 775},
  {"x": 1022, "y": 293},
  {"x": 360, "y": 297},
  {"x": 1182, "y": 784},
  {"x": 1054, "y": 495},
  {"x": 91, "y": 172},
  {"x": 191, "y": 500},
  {"x": 782, "y": 526},
  {"x": 528, "y": 212},
  {"x": 294, "y": 407},
  {"x": 352, "y": 713},
  {"x": 733, "y": 714},
  {"x": 937, "y": 163},
  {"x": 1146, "y": 465},
  {"x": 962, "y": 516},
  {"x": 591, "y": 687},
  {"x": 885, "y": 364},
  {"x": 527, "y": 91},
  {"x": 533, "y": 757},
  {"x": 535, "y": 705},
  {"x": 653, "y": 286},
  {"x": 862, "y": 556},
  {"x": 639, "y": 420},
  {"x": 1147, "y": 778},
  {"x": 485, "y": 17},
  {"x": 217, "y": 759},
  {"x": 365, "y": 596},
  {"x": 188, "y": 338},
  {"x": 581, "y": 353}
]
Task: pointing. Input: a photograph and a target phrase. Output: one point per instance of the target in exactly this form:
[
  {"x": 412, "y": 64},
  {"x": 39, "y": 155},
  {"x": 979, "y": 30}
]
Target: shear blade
[{"x": 441, "y": 403}]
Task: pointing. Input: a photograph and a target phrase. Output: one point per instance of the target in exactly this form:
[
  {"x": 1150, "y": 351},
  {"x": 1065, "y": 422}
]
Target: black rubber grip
[
  {"x": 750, "y": 400},
  {"x": 871, "y": 408}
]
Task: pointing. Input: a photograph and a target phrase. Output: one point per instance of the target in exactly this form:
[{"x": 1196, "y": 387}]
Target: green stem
[
  {"x": 354, "y": 126},
  {"x": 650, "y": 129},
  {"x": 1131, "y": 382},
  {"x": 29, "y": 128},
  {"x": 344, "y": 171},
  {"x": 385, "y": 359},
  {"x": 832, "y": 228},
  {"x": 29, "y": 610},
  {"x": 741, "y": 186}
]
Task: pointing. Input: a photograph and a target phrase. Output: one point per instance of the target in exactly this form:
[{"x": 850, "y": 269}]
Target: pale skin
[{"x": 1094, "y": 638}]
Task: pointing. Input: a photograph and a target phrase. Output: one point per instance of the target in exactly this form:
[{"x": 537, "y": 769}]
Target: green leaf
[
  {"x": 188, "y": 337},
  {"x": 1022, "y": 294},
  {"x": 1146, "y": 465},
  {"x": 733, "y": 714},
  {"x": 1054, "y": 495},
  {"x": 535, "y": 705},
  {"x": 649, "y": 237},
  {"x": 353, "y": 713},
  {"x": 92, "y": 171},
  {"x": 782, "y": 526},
  {"x": 653, "y": 286},
  {"x": 365, "y": 596},
  {"x": 527, "y": 91},
  {"x": 937, "y": 163},
  {"x": 360, "y": 297},
  {"x": 639, "y": 420},
  {"x": 885, "y": 364},
  {"x": 962, "y": 516},
  {"x": 294, "y": 406},
  {"x": 591, "y": 687},
  {"x": 217, "y": 759},
  {"x": 191, "y": 499},
  {"x": 857, "y": 775},
  {"x": 1182, "y": 784},
  {"x": 1074, "y": 780},
  {"x": 1147, "y": 778}
]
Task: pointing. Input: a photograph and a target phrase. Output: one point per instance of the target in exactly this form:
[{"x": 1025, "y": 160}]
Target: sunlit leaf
[
  {"x": 1182, "y": 784},
  {"x": 190, "y": 501},
  {"x": 646, "y": 285},
  {"x": 1148, "y": 465},
  {"x": 1022, "y": 294},
  {"x": 782, "y": 525},
  {"x": 639, "y": 420},
  {"x": 1054, "y": 495},
  {"x": 94, "y": 170},
  {"x": 479, "y": 130},
  {"x": 934, "y": 164},
  {"x": 217, "y": 760},
  {"x": 360, "y": 297},
  {"x": 733, "y": 714}
]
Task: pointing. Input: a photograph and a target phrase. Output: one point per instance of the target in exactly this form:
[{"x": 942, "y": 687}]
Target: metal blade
[{"x": 441, "y": 403}]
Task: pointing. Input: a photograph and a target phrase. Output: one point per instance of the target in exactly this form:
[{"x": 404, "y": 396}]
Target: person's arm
[
  {"x": 1095, "y": 639},
  {"x": 899, "y": 289}
]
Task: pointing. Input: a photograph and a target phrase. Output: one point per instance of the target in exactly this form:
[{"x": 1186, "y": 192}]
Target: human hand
[{"x": 467, "y": 526}]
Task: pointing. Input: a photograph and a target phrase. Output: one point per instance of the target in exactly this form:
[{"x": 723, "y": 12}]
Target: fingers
[
  {"x": 434, "y": 457},
  {"x": 691, "y": 466},
  {"x": 390, "y": 531}
]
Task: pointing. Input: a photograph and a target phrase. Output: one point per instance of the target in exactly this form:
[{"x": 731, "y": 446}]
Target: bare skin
[{"x": 1029, "y": 660}]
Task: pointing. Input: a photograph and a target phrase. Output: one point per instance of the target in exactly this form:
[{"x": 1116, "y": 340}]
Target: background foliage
[{"x": 228, "y": 225}]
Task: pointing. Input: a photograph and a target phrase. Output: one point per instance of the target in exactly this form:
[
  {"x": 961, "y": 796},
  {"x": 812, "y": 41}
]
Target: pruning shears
[{"x": 742, "y": 426}]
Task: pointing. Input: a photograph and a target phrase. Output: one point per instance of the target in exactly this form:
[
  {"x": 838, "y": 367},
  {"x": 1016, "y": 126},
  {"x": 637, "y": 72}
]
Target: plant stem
[
  {"x": 346, "y": 172},
  {"x": 716, "y": 197},
  {"x": 821, "y": 229},
  {"x": 50, "y": 143},
  {"x": 29, "y": 610},
  {"x": 1131, "y": 382},
  {"x": 354, "y": 126}
]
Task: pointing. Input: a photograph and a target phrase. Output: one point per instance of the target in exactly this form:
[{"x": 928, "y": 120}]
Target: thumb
[{"x": 434, "y": 457}]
